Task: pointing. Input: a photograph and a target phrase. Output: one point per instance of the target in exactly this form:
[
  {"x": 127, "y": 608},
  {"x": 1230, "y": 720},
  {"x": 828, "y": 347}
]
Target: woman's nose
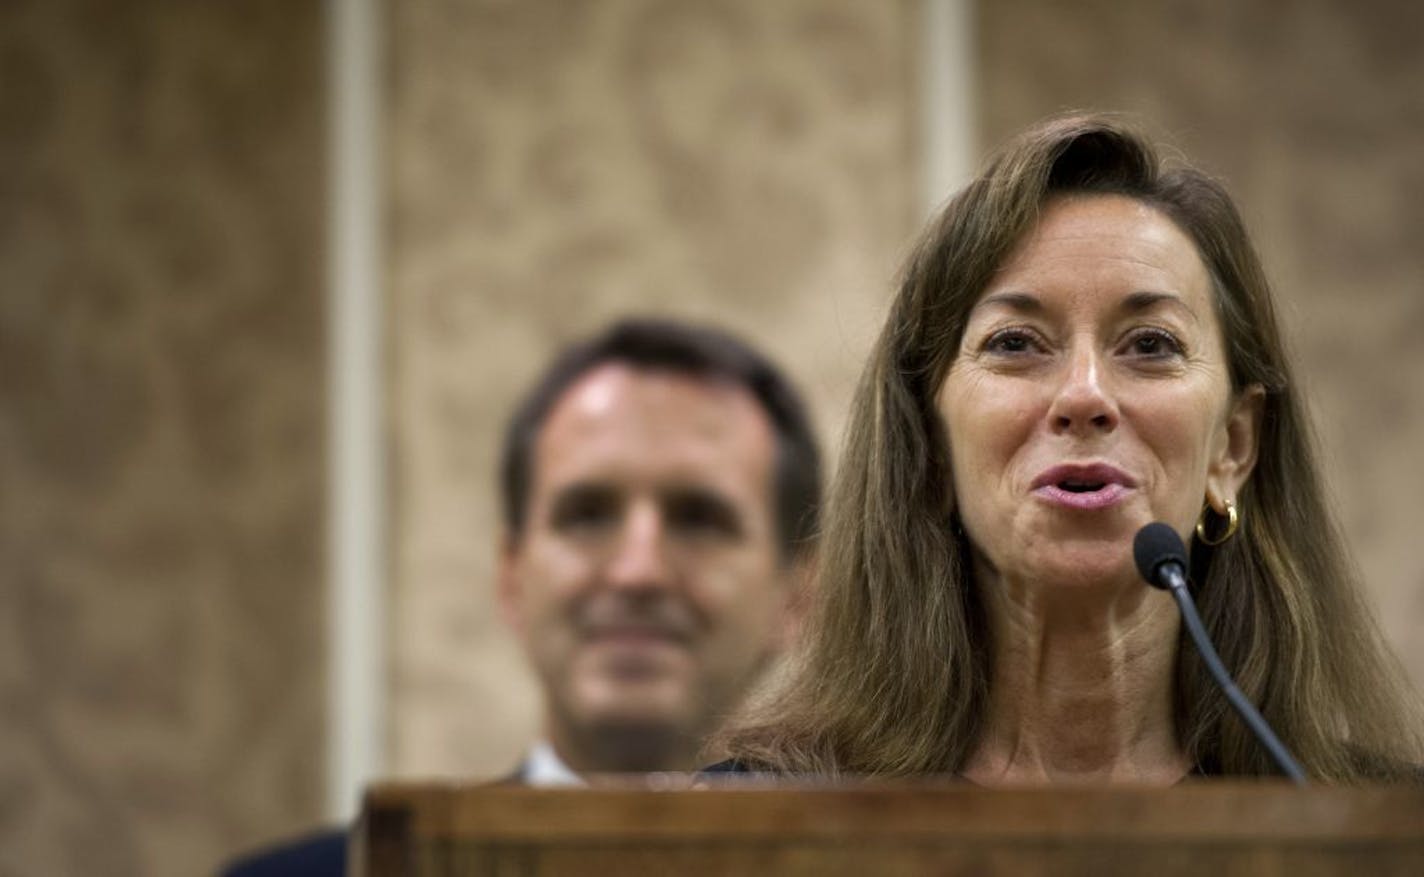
[
  {"x": 640, "y": 558},
  {"x": 1082, "y": 402}
]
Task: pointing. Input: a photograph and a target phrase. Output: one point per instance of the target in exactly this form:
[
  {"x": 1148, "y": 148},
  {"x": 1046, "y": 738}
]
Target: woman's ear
[{"x": 1237, "y": 447}]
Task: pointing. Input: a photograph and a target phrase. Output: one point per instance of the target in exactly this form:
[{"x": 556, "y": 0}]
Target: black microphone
[{"x": 1162, "y": 562}]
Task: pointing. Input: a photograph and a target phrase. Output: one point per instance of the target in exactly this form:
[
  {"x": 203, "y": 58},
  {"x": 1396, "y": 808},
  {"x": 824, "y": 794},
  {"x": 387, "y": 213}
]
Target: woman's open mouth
[{"x": 1083, "y": 485}]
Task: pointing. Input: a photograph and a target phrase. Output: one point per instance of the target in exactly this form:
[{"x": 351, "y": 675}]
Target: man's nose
[
  {"x": 640, "y": 557},
  {"x": 1083, "y": 402}
]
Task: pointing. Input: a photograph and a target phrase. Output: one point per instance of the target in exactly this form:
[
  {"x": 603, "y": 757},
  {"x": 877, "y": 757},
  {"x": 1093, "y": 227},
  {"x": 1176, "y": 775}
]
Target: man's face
[{"x": 647, "y": 585}]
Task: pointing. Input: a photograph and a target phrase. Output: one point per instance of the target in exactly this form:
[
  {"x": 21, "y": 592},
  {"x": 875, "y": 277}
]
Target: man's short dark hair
[{"x": 697, "y": 352}]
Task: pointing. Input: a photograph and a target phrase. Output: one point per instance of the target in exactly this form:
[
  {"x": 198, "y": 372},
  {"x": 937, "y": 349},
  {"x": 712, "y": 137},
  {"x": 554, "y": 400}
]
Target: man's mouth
[
  {"x": 632, "y": 633},
  {"x": 611, "y": 618}
]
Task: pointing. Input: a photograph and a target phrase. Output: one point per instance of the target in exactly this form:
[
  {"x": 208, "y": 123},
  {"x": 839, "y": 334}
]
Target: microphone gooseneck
[{"x": 1162, "y": 562}]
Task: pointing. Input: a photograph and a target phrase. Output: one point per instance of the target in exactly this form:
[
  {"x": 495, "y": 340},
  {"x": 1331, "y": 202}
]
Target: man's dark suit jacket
[
  {"x": 318, "y": 855},
  {"x": 322, "y": 854}
]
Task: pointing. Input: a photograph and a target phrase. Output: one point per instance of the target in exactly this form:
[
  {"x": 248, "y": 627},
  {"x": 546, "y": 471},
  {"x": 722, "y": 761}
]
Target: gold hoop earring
[{"x": 1233, "y": 520}]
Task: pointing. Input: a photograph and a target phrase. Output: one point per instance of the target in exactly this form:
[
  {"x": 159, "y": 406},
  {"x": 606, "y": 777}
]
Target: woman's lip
[
  {"x": 1108, "y": 495},
  {"x": 1083, "y": 473}
]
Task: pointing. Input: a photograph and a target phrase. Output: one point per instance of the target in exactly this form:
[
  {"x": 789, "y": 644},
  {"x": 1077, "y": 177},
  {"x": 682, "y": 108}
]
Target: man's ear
[
  {"x": 1236, "y": 453},
  {"x": 509, "y": 584}
]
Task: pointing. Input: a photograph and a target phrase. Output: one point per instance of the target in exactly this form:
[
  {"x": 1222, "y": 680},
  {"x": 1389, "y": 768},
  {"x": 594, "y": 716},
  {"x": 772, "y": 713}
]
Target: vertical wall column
[
  {"x": 947, "y": 100},
  {"x": 356, "y": 428}
]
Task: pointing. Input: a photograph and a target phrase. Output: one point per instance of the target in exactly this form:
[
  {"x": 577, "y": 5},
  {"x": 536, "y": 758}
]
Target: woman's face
[{"x": 1091, "y": 395}]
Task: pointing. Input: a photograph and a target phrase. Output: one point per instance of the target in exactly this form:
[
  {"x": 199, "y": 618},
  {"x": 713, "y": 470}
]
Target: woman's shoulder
[
  {"x": 1375, "y": 768},
  {"x": 729, "y": 766},
  {"x": 741, "y": 772},
  {"x": 1407, "y": 773}
]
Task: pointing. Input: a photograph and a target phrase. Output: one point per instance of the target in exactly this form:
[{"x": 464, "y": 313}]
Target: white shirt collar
[{"x": 543, "y": 767}]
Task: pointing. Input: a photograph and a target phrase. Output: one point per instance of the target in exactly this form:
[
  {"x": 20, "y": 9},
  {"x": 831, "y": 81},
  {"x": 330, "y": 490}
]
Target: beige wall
[
  {"x": 1313, "y": 115},
  {"x": 551, "y": 164},
  {"x": 160, "y": 432},
  {"x": 555, "y": 164}
]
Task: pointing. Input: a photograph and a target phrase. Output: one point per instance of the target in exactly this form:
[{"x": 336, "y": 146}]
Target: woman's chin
[{"x": 1087, "y": 567}]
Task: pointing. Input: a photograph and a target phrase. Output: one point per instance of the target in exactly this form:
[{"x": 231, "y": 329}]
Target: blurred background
[{"x": 272, "y": 273}]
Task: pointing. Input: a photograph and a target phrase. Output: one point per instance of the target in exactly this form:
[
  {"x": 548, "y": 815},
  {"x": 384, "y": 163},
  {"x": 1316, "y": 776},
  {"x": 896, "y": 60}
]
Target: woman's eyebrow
[
  {"x": 1137, "y": 302},
  {"x": 1016, "y": 301},
  {"x": 1146, "y": 301}
]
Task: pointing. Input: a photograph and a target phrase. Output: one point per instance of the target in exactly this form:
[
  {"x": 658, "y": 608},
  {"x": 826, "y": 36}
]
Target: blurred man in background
[
  {"x": 660, "y": 488},
  {"x": 660, "y": 496}
]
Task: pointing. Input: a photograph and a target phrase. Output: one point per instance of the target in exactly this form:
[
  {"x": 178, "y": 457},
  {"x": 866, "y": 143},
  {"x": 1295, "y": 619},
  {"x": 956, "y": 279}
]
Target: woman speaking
[{"x": 1082, "y": 343}]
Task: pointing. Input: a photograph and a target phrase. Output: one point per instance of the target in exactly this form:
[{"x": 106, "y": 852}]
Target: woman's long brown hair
[{"x": 893, "y": 677}]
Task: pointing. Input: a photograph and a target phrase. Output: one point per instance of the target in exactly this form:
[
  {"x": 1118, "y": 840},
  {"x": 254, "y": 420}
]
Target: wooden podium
[{"x": 1204, "y": 827}]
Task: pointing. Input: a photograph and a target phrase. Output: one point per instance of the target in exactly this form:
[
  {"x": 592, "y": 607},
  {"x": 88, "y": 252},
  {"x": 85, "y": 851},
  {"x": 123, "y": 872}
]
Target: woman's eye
[
  {"x": 1154, "y": 344},
  {"x": 1011, "y": 341}
]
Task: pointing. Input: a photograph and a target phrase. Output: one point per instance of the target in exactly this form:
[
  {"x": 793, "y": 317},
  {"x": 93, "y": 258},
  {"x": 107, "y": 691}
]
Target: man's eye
[
  {"x": 584, "y": 511},
  {"x": 701, "y": 515}
]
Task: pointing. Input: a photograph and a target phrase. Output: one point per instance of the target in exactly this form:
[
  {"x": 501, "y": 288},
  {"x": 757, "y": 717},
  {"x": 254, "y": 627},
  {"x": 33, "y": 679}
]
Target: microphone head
[{"x": 1154, "y": 545}]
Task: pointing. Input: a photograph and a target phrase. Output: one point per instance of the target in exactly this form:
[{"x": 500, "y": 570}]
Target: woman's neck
[{"x": 1082, "y": 686}]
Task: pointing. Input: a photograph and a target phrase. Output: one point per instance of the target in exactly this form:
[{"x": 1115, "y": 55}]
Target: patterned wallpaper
[
  {"x": 160, "y": 432},
  {"x": 552, "y": 164},
  {"x": 1315, "y": 120},
  {"x": 555, "y": 164}
]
